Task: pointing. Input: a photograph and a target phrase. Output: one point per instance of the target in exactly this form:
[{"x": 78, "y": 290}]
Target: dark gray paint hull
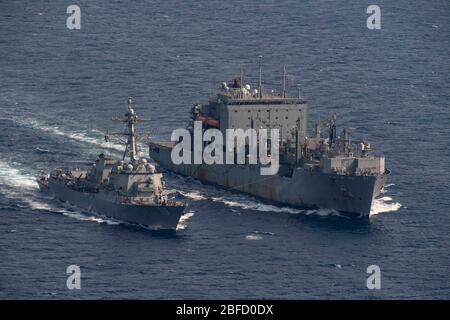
[
  {"x": 305, "y": 189},
  {"x": 156, "y": 217}
]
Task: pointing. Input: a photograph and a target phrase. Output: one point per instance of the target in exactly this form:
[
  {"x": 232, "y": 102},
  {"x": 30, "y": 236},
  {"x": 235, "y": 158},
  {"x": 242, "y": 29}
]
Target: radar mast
[
  {"x": 131, "y": 120},
  {"x": 131, "y": 147}
]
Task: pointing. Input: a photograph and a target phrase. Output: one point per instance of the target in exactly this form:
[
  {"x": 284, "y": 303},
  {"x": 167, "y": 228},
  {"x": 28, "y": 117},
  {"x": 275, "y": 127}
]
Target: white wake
[
  {"x": 12, "y": 177},
  {"x": 384, "y": 204},
  {"x": 182, "y": 224}
]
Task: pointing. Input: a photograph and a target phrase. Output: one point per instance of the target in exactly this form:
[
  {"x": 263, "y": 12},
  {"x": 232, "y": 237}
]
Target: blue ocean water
[{"x": 59, "y": 88}]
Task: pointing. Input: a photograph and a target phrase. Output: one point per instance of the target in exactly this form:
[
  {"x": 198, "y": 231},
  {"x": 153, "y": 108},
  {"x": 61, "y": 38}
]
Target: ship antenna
[
  {"x": 284, "y": 81},
  {"x": 129, "y": 103},
  {"x": 260, "y": 77},
  {"x": 242, "y": 81},
  {"x": 132, "y": 139}
]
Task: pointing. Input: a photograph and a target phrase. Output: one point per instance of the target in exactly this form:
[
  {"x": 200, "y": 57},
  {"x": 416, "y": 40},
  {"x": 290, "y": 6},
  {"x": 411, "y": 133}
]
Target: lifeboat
[{"x": 212, "y": 122}]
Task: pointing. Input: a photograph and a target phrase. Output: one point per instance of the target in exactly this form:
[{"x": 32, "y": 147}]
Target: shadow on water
[
  {"x": 89, "y": 219},
  {"x": 161, "y": 234},
  {"x": 335, "y": 223},
  {"x": 121, "y": 227},
  {"x": 320, "y": 219}
]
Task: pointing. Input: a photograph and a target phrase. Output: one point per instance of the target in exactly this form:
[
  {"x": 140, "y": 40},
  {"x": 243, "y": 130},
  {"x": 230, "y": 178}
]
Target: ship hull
[
  {"x": 156, "y": 217},
  {"x": 351, "y": 195}
]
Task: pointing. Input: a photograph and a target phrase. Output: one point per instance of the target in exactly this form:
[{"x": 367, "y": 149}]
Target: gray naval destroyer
[
  {"x": 130, "y": 191},
  {"x": 322, "y": 170}
]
